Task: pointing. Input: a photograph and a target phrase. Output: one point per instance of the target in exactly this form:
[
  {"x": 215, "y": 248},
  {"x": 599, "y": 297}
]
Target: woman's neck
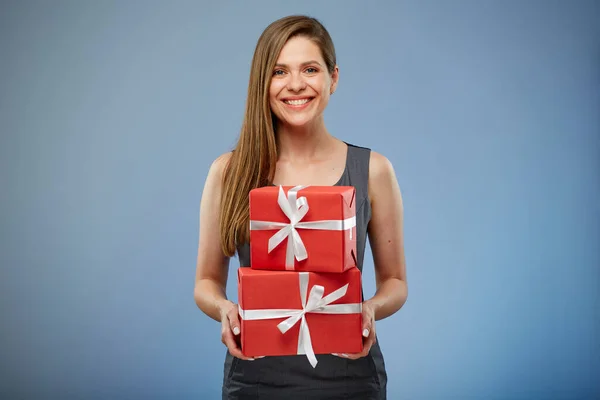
[{"x": 303, "y": 143}]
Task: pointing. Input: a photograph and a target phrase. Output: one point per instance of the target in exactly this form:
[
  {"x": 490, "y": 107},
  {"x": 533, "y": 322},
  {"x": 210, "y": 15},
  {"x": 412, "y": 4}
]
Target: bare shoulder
[
  {"x": 217, "y": 169},
  {"x": 220, "y": 163},
  {"x": 379, "y": 165},
  {"x": 382, "y": 176}
]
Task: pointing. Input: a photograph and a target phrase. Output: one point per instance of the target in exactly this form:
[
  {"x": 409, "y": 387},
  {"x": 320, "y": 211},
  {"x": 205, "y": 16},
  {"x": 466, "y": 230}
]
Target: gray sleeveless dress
[{"x": 292, "y": 377}]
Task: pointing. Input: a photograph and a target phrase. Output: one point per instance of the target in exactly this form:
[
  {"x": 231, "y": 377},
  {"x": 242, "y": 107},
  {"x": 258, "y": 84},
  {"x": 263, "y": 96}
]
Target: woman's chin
[{"x": 296, "y": 123}]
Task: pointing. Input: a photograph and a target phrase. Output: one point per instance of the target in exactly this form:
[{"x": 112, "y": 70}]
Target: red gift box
[
  {"x": 289, "y": 313},
  {"x": 303, "y": 228}
]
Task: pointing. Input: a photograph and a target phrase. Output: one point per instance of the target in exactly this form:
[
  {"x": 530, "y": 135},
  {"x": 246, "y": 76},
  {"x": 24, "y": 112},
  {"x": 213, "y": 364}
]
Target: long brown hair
[{"x": 252, "y": 162}]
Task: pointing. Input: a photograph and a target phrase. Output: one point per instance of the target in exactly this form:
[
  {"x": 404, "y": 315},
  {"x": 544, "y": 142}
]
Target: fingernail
[
  {"x": 335, "y": 354},
  {"x": 236, "y": 331},
  {"x": 366, "y": 333},
  {"x": 344, "y": 355}
]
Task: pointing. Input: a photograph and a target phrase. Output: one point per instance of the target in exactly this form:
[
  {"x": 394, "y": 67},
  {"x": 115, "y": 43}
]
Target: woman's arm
[
  {"x": 212, "y": 265},
  {"x": 386, "y": 238}
]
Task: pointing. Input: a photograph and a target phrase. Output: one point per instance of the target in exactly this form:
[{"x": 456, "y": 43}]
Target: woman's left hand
[{"x": 368, "y": 332}]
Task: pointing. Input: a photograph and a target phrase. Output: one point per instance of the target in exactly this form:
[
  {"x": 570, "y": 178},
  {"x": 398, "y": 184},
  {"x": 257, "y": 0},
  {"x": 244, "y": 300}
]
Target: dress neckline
[{"x": 343, "y": 172}]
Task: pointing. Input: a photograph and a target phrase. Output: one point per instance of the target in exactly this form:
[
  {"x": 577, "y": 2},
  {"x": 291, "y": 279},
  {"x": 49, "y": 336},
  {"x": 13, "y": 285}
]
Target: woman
[{"x": 284, "y": 141}]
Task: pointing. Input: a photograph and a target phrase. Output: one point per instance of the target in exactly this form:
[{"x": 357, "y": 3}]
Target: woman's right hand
[{"x": 230, "y": 329}]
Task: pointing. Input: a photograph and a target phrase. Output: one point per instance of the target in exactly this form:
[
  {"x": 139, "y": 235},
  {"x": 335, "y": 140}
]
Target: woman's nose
[{"x": 296, "y": 82}]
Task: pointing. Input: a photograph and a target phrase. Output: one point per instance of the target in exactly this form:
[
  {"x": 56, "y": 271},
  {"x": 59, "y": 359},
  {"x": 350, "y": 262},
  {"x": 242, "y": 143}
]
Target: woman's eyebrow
[{"x": 302, "y": 65}]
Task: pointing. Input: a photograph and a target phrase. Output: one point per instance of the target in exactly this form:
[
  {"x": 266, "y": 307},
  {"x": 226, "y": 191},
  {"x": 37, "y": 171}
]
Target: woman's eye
[
  {"x": 278, "y": 72},
  {"x": 311, "y": 70}
]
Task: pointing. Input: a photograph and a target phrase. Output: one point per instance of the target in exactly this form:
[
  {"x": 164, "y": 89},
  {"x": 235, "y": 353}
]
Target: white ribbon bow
[
  {"x": 315, "y": 303},
  {"x": 295, "y": 210}
]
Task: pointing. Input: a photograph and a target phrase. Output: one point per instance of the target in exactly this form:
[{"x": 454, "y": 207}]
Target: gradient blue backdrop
[{"x": 112, "y": 111}]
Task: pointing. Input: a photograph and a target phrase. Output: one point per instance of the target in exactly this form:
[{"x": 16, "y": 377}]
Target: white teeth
[{"x": 296, "y": 102}]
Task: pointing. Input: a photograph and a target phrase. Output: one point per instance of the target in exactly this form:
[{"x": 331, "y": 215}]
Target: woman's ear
[{"x": 335, "y": 76}]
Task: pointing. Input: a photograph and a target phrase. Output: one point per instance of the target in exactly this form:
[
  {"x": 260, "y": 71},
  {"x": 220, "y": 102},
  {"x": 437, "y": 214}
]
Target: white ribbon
[
  {"x": 315, "y": 303},
  {"x": 295, "y": 210}
]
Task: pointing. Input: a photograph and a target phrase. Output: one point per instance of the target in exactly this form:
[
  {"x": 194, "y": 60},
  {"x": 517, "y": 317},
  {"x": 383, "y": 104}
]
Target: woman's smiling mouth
[{"x": 297, "y": 103}]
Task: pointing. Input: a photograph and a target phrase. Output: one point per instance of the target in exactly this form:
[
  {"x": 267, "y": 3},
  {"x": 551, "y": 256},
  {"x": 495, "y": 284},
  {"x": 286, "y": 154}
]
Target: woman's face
[{"x": 301, "y": 85}]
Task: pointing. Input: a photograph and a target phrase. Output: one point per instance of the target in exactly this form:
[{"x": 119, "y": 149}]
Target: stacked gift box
[{"x": 302, "y": 294}]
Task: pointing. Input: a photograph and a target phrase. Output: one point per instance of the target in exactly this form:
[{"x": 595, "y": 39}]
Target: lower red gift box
[{"x": 289, "y": 313}]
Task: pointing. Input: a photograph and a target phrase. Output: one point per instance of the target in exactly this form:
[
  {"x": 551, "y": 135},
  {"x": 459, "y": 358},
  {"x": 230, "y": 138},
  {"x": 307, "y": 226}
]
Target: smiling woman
[
  {"x": 284, "y": 141},
  {"x": 300, "y": 89}
]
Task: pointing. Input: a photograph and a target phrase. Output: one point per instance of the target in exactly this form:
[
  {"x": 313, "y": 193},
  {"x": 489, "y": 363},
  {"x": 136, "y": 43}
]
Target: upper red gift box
[
  {"x": 303, "y": 228},
  {"x": 289, "y": 313}
]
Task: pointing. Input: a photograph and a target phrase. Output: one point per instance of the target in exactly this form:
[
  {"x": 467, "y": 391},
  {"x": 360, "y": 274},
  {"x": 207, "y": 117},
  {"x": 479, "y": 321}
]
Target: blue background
[{"x": 111, "y": 113}]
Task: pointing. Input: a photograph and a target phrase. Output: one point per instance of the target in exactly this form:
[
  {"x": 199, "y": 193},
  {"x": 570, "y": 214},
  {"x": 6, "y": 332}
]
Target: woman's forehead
[{"x": 299, "y": 50}]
